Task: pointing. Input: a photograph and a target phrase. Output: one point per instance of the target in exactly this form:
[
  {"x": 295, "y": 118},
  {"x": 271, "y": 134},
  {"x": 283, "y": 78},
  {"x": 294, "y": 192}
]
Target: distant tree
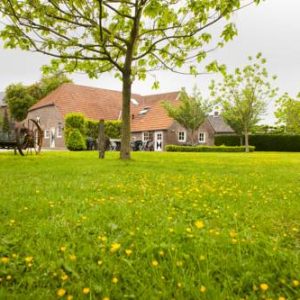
[
  {"x": 288, "y": 113},
  {"x": 128, "y": 37},
  {"x": 191, "y": 113},
  {"x": 20, "y": 98},
  {"x": 5, "y": 122},
  {"x": 243, "y": 95}
]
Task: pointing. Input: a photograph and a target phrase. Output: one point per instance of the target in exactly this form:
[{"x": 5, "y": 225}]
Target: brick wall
[{"x": 50, "y": 118}]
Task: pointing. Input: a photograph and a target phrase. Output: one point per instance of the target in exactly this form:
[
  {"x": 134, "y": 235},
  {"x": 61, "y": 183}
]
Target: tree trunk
[
  {"x": 192, "y": 137},
  {"x": 241, "y": 140},
  {"x": 101, "y": 139},
  {"x": 247, "y": 140},
  {"x": 125, "y": 131}
]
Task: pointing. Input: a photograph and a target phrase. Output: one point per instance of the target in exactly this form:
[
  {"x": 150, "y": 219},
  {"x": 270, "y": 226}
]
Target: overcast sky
[{"x": 272, "y": 28}]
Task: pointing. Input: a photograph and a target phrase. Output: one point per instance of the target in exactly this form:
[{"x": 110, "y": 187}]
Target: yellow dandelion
[
  {"x": 115, "y": 247},
  {"x": 179, "y": 263},
  {"x": 202, "y": 289},
  {"x": 8, "y": 277},
  {"x": 199, "y": 224},
  {"x": 154, "y": 263},
  {"x": 61, "y": 292},
  {"x": 161, "y": 253},
  {"x": 263, "y": 287},
  {"x": 64, "y": 277},
  {"x": 188, "y": 229},
  {"x": 202, "y": 257},
  {"x": 72, "y": 257},
  {"x": 179, "y": 284},
  {"x": 28, "y": 259},
  {"x": 63, "y": 248},
  {"x": 86, "y": 290},
  {"x": 115, "y": 280},
  {"x": 105, "y": 298},
  {"x": 100, "y": 262},
  {"x": 232, "y": 233},
  {"x": 281, "y": 298},
  {"x": 5, "y": 260},
  {"x": 128, "y": 252},
  {"x": 70, "y": 297},
  {"x": 296, "y": 283}
]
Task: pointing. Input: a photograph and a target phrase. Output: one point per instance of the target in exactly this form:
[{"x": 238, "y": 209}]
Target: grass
[{"x": 163, "y": 226}]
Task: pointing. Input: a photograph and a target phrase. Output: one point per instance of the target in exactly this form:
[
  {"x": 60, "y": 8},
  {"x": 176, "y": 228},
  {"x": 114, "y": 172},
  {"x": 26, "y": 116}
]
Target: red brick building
[{"x": 149, "y": 118}]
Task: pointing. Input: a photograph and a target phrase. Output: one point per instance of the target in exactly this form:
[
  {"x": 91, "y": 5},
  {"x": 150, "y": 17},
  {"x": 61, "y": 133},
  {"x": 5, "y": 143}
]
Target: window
[
  {"x": 59, "y": 130},
  {"x": 202, "y": 137},
  {"x": 147, "y": 136},
  {"x": 47, "y": 134},
  {"x": 181, "y": 136}
]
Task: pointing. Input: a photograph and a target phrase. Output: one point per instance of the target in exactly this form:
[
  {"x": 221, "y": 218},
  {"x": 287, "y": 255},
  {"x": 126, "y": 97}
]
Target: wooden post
[{"x": 101, "y": 138}]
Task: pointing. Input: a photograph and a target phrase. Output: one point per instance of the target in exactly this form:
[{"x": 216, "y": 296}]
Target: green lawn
[{"x": 163, "y": 226}]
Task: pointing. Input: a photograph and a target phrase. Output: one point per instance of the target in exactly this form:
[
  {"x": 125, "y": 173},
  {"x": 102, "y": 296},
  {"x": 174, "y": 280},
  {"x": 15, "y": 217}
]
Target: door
[
  {"x": 158, "y": 141},
  {"x": 52, "y": 137}
]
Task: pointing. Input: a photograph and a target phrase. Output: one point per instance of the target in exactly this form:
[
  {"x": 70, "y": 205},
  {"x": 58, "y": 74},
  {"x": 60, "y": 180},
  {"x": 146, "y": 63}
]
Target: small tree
[
  {"x": 18, "y": 100},
  {"x": 243, "y": 95},
  {"x": 5, "y": 122},
  {"x": 288, "y": 113},
  {"x": 191, "y": 113},
  {"x": 129, "y": 37}
]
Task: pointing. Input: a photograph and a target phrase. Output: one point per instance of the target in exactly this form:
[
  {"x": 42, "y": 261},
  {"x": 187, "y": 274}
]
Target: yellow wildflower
[
  {"x": 114, "y": 280},
  {"x": 281, "y": 298},
  {"x": 28, "y": 259},
  {"x": 296, "y": 283},
  {"x": 64, "y": 277},
  {"x": 86, "y": 290},
  {"x": 128, "y": 252},
  {"x": 115, "y": 247},
  {"x": 8, "y": 277},
  {"x": 5, "y": 260},
  {"x": 72, "y": 257},
  {"x": 199, "y": 224},
  {"x": 70, "y": 297},
  {"x": 161, "y": 253},
  {"x": 61, "y": 292},
  {"x": 202, "y": 289},
  {"x": 105, "y": 298},
  {"x": 263, "y": 286},
  {"x": 63, "y": 248},
  {"x": 154, "y": 263}
]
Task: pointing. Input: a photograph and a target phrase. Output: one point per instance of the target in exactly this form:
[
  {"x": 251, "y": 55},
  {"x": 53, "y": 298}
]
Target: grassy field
[{"x": 163, "y": 226}]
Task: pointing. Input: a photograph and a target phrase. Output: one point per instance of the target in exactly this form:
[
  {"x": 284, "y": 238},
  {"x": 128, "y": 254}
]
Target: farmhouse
[{"x": 149, "y": 119}]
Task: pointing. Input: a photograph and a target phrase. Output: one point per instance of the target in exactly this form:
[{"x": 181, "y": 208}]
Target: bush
[
  {"x": 265, "y": 142},
  {"x": 112, "y": 128},
  {"x": 75, "y": 141},
  {"x": 175, "y": 148}
]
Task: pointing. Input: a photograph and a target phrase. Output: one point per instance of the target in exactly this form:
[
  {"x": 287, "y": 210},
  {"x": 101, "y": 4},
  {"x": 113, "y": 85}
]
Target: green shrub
[
  {"x": 264, "y": 142},
  {"x": 112, "y": 128},
  {"x": 175, "y": 148},
  {"x": 74, "y": 121},
  {"x": 75, "y": 141}
]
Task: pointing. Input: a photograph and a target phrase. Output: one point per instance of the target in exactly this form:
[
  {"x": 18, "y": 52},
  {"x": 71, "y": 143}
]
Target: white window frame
[
  {"x": 149, "y": 133},
  {"x": 47, "y": 134},
  {"x": 204, "y": 137},
  {"x": 59, "y": 131},
  {"x": 182, "y": 139}
]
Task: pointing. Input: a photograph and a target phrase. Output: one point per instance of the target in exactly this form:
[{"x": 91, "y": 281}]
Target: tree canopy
[
  {"x": 288, "y": 113},
  {"x": 191, "y": 112},
  {"x": 20, "y": 98},
  {"x": 243, "y": 95},
  {"x": 129, "y": 37}
]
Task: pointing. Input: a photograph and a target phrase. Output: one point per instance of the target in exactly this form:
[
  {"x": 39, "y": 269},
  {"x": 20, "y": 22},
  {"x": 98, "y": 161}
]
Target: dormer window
[{"x": 144, "y": 110}]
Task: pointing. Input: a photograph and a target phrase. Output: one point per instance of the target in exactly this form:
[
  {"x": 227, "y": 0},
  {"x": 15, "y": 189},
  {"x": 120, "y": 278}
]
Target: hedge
[
  {"x": 264, "y": 142},
  {"x": 175, "y": 148},
  {"x": 87, "y": 128}
]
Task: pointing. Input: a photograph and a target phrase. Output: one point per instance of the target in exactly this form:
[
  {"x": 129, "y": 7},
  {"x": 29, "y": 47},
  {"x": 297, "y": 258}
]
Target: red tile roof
[{"x": 106, "y": 104}]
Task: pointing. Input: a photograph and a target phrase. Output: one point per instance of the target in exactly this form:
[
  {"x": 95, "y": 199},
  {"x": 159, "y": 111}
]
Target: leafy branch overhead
[{"x": 99, "y": 36}]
